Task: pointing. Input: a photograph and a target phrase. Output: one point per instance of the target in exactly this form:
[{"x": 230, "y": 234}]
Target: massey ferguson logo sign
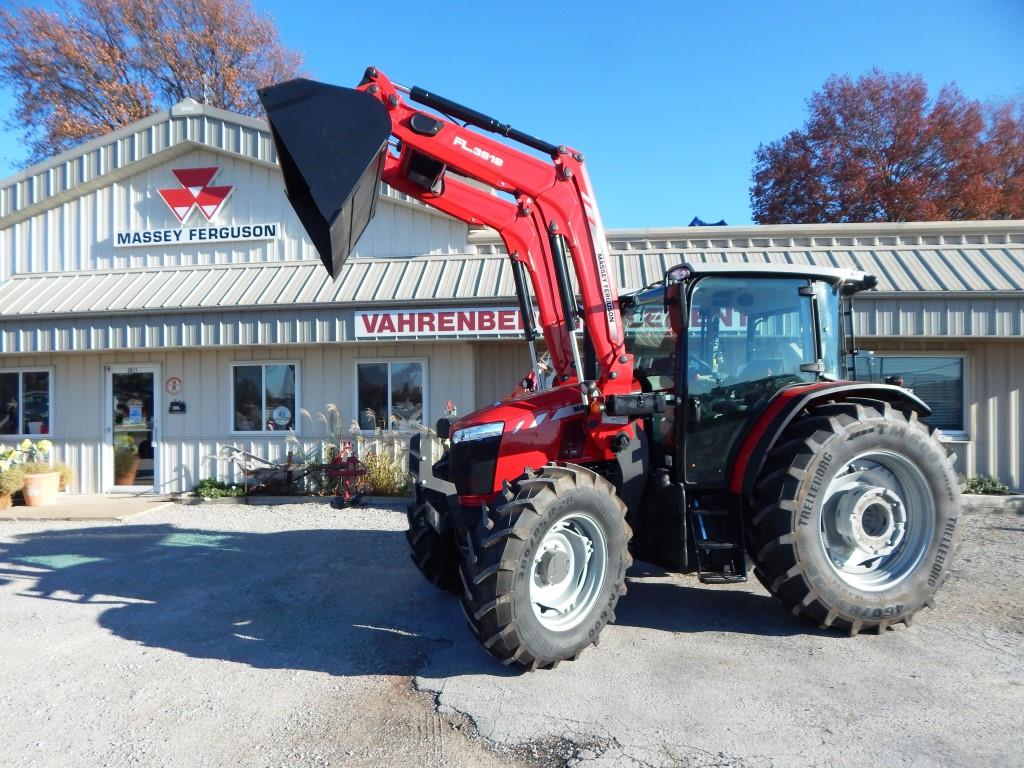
[{"x": 196, "y": 190}]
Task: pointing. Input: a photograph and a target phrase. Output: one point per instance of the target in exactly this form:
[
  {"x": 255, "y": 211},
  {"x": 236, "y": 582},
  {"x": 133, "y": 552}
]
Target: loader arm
[{"x": 545, "y": 212}]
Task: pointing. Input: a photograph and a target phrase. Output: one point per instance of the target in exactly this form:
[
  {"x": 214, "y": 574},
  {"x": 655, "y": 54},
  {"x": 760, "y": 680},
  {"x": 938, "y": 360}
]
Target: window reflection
[
  {"x": 939, "y": 381},
  {"x": 389, "y": 395}
]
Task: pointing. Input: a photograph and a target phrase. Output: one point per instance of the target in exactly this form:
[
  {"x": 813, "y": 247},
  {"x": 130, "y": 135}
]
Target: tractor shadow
[
  {"x": 669, "y": 606},
  {"x": 344, "y": 602}
]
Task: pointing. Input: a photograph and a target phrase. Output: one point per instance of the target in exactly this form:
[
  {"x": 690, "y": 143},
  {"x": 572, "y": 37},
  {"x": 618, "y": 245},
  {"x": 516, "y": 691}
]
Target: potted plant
[
  {"x": 126, "y": 460},
  {"x": 40, "y": 481}
]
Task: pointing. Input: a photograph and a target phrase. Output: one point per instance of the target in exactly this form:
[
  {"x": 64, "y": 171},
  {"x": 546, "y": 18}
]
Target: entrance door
[{"x": 133, "y": 423}]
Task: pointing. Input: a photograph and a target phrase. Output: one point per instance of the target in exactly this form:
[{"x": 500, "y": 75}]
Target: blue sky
[{"x": 668, "y": 100}]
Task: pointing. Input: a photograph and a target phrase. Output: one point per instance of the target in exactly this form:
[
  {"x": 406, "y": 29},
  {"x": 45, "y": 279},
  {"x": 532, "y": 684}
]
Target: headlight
[{"x": 479, "y": 432}]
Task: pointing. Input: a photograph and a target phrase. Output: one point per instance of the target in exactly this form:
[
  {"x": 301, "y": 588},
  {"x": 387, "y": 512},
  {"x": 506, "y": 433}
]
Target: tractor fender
[{"x": 787, "y": 404}]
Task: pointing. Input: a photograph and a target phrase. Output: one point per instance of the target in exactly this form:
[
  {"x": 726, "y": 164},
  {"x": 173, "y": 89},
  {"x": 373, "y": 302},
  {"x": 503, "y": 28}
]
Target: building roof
[
  {"x": 945, "y": 280},
  {"x": 971, "y": 256},
  {"x": 363, "y": 282},
  {"x": 935, "y": 260}
]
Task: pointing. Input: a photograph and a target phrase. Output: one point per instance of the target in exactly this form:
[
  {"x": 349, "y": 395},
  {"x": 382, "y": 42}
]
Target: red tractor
[{"x": 704, "y": 421}]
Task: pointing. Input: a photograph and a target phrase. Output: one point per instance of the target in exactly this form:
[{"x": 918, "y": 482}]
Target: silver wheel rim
[
  {"x": 568, "y": 571},
  {"x": 878, "y": 517}
]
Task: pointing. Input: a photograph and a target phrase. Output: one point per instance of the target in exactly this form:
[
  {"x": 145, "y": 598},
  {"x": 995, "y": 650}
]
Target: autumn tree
[
  {"x": 880, "y": 149},
  {"x": 94, "y": 65}
]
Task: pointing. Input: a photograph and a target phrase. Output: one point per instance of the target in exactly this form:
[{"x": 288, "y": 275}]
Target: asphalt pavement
[{"x": 303, "y": 636}]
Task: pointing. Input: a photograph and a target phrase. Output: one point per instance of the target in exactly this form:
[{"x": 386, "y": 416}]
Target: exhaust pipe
[{"x": 331, "y": 143}]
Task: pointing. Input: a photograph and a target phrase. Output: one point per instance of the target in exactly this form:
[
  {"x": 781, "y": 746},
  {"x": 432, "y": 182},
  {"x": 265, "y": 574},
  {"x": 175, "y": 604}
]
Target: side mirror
[{"x": 443, "y": 428}]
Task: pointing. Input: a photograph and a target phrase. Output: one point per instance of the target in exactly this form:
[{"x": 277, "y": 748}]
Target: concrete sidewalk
[{"x": 87, "y": 507}]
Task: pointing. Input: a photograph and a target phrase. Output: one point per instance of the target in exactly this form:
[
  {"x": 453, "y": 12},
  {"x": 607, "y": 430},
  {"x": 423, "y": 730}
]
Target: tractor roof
[{"x": 832, "y": 274}]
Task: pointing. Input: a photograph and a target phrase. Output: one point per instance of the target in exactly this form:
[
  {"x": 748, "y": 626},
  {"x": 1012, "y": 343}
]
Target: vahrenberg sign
[{"x": 439, "y": 323}]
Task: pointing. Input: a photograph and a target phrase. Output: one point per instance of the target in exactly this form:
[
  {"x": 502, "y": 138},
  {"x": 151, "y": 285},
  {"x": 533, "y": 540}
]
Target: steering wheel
[{"x": 697, "y": 367}]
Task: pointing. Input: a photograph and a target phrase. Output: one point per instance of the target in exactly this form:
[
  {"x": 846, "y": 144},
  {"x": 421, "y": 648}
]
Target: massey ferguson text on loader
[{"x": 696, "y": 424}]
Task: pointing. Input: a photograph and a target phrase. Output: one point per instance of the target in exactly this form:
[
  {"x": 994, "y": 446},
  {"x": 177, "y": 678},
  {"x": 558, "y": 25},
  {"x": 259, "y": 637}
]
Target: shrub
[
  {"x": 385, "y": 476},
  {"x": 985, "y": 484},
  {"x": 10, "y": 481},
  {"x": 67, "y": 474},
  {"x": 216, "y": 489}
]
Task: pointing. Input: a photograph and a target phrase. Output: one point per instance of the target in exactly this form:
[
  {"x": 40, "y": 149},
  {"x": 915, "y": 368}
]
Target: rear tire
[
  {"x": 435, "y": 554},
  {"x": 544, "y": 568},
  {"x": 856, "y": 525}
]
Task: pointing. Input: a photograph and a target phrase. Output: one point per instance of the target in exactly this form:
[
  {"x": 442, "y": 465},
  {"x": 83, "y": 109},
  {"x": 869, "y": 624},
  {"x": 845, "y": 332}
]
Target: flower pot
[
  {"x": 5, "y": 501},
  {"x": 41, "y": 490},
  {"x": 128, "y": 476}
]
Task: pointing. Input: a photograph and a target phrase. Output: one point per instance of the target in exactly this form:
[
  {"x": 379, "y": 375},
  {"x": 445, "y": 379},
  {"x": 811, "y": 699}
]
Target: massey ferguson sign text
[
  {"x": 195, "y": 191},
  {"x": 439, "y": 323}
]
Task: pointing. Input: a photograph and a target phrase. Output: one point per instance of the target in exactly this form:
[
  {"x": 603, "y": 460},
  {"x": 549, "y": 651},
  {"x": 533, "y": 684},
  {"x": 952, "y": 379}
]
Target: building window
[
  {"x": 389, "y": 395},
  {"x": 939, "y": 381},
  {"x": 263, "y": 396},
  {"x": 25, "y": 398}
]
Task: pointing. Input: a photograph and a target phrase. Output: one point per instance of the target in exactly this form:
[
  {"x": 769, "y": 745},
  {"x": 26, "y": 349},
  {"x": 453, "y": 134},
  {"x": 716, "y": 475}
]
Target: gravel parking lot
[{"x": 303, "y": 636}]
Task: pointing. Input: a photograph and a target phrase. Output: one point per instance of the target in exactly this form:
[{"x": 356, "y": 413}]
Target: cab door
[{"x": 746, "y": 338}]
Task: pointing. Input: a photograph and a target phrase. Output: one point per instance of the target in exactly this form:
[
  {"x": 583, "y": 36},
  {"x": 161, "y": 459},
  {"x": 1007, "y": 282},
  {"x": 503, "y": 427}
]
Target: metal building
[{"x": 156, "y": 288}]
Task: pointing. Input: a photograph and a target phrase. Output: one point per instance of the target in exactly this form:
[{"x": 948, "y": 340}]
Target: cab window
[
  {"x": 651, "y": 340},
  {"x": 747, "y": 338},
  {"x": 745, "y": 332}
]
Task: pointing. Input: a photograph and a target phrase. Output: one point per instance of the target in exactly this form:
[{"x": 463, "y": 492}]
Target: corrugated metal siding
[
  {"x": 295, "y": 303},
  {"x": 916, "y": 256},
  {"x": 117, "y": 152},
  {"x": 955, "y": 268},
  {"x": 498, "y": 368},
  {"x": 916, "y": 314},
  {"x": 994, "y": 418},
  {"x": 77, "y": 235},
  {"x": 367, "y": 280}
]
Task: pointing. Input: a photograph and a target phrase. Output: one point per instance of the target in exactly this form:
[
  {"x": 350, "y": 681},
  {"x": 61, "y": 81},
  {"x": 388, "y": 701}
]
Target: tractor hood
[
  {"x": 506, "y": 439},
  {"x": 331, "y": 144},
  {"x": 525, "y": 412}
]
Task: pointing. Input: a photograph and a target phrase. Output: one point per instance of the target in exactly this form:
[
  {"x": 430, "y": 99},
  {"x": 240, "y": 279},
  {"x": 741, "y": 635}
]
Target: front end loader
[{"x": 703, "y": 424}]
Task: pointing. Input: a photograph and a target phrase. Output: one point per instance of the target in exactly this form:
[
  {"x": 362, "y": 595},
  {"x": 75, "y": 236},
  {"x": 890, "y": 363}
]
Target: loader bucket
[{"x": 331, "y": 144}]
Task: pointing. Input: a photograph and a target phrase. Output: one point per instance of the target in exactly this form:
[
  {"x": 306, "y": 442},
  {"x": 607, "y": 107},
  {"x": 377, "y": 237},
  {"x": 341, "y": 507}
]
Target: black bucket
[{"x": 331, "y": 144}]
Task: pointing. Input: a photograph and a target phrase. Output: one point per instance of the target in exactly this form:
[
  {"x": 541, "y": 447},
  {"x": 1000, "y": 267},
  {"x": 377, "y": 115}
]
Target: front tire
[
  {"x": 857, "y": 520},
  {"x": 436, "y": 555},
  {"x": 544, "y": 569}
]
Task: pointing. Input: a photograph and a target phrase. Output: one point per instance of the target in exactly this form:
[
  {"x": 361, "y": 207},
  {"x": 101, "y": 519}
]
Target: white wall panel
[
  {"x": 188, "y": 441},
  {"x": 78, "y": 234}
]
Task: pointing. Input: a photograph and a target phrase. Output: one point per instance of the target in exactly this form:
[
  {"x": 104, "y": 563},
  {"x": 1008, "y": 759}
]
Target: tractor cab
[{"x": 724, "y": 340}]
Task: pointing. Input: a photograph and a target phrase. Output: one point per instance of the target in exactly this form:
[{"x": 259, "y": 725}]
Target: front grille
[{"x": 471, "y": 466}]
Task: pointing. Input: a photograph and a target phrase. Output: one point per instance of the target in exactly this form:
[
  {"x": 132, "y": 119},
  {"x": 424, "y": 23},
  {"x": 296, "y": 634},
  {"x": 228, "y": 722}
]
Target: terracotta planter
[
  {"x": 41, "y": 490},
  {"x": 128, "y": 478},
  {"x": 5, "y": 501}
]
